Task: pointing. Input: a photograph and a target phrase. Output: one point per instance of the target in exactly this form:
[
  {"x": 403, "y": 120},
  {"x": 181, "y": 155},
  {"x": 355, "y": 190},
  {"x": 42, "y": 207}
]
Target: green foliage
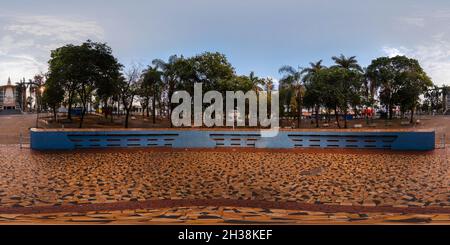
[
  {"x": 293, "y": 90},
  {"x": 211, "y": 69},
  {"x": 151, "y": 86},
  {"x": 79, "y": 72},
  {"x": 81, "y": 69},
  {"x": 53, "y": 95},
  {"x": 401, "y": 80}
]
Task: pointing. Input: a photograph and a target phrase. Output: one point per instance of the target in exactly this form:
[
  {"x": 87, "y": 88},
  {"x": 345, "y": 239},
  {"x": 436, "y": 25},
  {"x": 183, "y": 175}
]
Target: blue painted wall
[{"x": 69, "y": 140}]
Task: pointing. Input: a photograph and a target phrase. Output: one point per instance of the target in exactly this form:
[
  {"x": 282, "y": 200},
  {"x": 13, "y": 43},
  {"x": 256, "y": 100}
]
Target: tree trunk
[
  {"x": 148, "y": 108},
  {"x": 391, "y": 112},
  {"x": 300, "y": 112},
  {"x": 345, "y": 119},
  {"x": 412, "y": 116},
  {"x": 83, "y": 111},
  {"x": 337, "y": 117},
  {"x": 126, "y": 117},
  {"x": 170, "y": 93},
  {"x": 328, "y": 115},
  {"x": 54, "y": 113},
  {"x": 154, "y": 109},
  {"x": 112, "y": 113},
  {"x": 317, "y": 116},
  {"x": 69, "y": 115},
  {"x": 105, "y": 109}
]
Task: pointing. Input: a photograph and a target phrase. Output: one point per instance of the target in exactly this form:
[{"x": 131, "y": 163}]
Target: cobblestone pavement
[
  {"x": 34, "y": 179},
  {"x": 222, "y": 215},
  {"x": 12, "y": 125},
  {"x": 350, "y": 188}
]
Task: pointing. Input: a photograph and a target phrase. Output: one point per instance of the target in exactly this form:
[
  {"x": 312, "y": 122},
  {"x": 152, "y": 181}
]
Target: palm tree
[
  {"x": 153, "y": 84},
  {"x": 35, "y": 85},
  {"x": 22, "y": 93},
  {"x": 309, "y": 78},
  {"x": 349, "y": 63},
  {"x": 292, "y": 80},
  {"x": 267, "y": 84},
  {"x": 379, "y": 77},
  {"x": 256, "y": 81},
  {"x": 313, "y": 68},
  {"x": 168, "y": 77}
]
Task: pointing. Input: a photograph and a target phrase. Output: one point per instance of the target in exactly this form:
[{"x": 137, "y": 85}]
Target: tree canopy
[{"x": 85, "y": 74}]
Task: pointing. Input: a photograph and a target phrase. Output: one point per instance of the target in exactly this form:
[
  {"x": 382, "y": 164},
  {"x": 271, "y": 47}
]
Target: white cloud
[
  {"x": 414, "y": 21},
  {"x": 26, "y": 42},
  {"x": 434, "y": 57},
  {"x": 54, "y": 28},
  {"x": 391, "y": 52}
]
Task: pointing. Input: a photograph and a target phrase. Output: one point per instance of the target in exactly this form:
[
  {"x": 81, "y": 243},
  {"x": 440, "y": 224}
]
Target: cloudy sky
[{"x": 258, "y": 36}]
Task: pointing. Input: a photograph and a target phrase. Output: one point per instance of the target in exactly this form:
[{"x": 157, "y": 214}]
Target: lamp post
[{"x": 40, "y": 92}]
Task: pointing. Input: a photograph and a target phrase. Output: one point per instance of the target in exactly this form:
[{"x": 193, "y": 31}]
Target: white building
[{"x": 9, "y": 97}]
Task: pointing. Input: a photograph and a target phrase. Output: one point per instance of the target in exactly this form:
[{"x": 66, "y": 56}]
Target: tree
[
  {"x": 36, "y": 84},
  {"x": 212, "y": 68},
  {"x": 433, "y": 97},
  {"x": 349, "y": 76},
  {"x": 151, "y": 87},
  {"x": 380, "y": 74},
  {"x": 350, "y": 88},
  {"x": 268, "y": 86},
  {"x": 315, "y": 87},
  {"x": 312, "y": 70},
  {"x": 413, "y": 82},
  {"x": 107, "y": 78},
  {"x": 80, "y": 69},
  {"x": 21, "y": 88},
  {"x": 53, "y": 96},
  {"x": 180, "y": 73},
  {"x": 337, "y": 89},
  {"x": 349, "y": 63},
  {"x": 292, "y": 80},
  {"x": 63, "y": 67},
  {"x": 398, "y": 77},
  {"x": 236, "y": 83},
  {"x": 169, "y": 78},
  {"x": 445, "y": 94},
  {"x": 129, "y": 86},
  {"x": 326, "y": 87},
  {"x": 256, "y": 82}
]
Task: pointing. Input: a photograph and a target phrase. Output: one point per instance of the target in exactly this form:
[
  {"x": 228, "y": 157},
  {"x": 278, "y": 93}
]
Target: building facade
[{"x": 10, "y": 97}]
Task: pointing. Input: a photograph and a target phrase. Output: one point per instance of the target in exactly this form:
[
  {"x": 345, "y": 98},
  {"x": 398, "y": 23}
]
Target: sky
[{"x": 259, "y": 36}]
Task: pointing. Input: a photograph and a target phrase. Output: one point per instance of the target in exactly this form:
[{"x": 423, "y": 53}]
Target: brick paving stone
[{"x": 32, "y": 179}]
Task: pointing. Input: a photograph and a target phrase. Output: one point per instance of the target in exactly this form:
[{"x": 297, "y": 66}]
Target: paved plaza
[
  {"x": 33, "y": 179},
  {"x": 222, "y": 216},
  {"x": 329, "y": 186},
  {"x": 11, "y": 126}
]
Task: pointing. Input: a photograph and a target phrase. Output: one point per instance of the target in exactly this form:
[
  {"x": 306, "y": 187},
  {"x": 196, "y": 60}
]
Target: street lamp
[{"x": 40, "y": 92}]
